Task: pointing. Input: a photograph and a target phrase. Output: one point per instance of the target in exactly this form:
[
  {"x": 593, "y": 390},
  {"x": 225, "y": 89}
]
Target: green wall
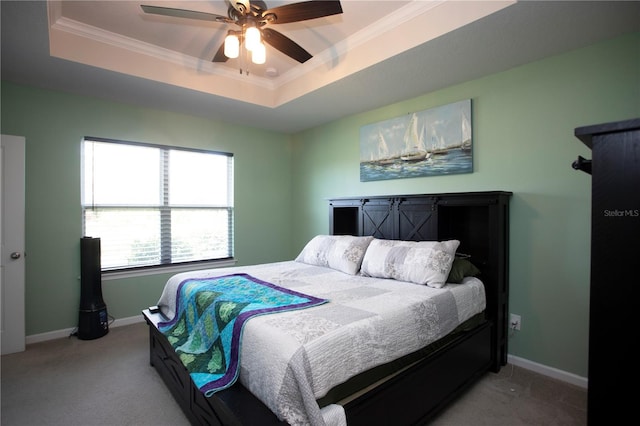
[
  {"x": 54, "y": 124},
  {"x": 523, "y": 124},
  {"x": 523, "y": 121}
]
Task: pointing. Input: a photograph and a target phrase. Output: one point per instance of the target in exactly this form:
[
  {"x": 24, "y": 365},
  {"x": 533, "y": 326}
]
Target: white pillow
[
  {"x": 420, "y": 262},
  {"x": 340, "y": 252}
]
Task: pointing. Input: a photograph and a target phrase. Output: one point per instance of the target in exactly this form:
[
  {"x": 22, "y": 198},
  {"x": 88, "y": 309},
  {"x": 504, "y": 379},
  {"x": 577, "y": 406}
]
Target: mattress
[{"x": 290, "y": 360}]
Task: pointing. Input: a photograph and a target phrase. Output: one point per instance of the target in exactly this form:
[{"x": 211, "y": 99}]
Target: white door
[{"x": 12, "y": 172}]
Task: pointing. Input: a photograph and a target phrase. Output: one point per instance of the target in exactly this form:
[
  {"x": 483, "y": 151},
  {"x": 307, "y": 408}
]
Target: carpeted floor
[{"x": 109, "y": 382}]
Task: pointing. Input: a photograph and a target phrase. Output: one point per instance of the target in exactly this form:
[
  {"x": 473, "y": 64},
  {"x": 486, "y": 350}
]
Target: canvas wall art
[{"x": 433, "y": 142}]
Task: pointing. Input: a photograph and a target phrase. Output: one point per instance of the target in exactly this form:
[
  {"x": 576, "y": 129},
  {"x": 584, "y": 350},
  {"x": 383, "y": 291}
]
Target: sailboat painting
[{"x": 433, "y": 142}]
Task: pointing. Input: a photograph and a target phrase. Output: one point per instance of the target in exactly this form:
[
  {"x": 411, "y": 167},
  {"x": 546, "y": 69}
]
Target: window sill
[{"x": 167, "y": 269}]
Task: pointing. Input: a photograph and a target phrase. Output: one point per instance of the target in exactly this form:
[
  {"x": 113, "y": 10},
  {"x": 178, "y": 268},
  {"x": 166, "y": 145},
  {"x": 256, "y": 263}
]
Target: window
[{"x": 154, "y": 205}]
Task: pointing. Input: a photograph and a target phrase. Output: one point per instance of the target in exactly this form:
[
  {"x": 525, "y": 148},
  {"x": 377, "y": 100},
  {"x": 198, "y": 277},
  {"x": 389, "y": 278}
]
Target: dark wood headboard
[{"x": 479, "y": 220}]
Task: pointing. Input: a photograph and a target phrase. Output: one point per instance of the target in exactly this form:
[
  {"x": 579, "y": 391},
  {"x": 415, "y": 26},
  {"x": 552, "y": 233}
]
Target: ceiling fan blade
[
  {"x": 257, "y": 6},
  {"x": 301, "y": 11},
  {"x": 220, "y": 56},
  {"x": 285, "y": 45},
  {"x": 182, "y": 13}
]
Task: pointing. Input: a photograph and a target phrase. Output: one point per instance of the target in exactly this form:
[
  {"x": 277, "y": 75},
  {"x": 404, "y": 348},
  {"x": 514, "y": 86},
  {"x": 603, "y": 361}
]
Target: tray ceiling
[{"x": 373, "y": 54}]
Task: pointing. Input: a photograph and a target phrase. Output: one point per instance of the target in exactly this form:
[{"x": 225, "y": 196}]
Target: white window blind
[{"x": 154, "y": 205}]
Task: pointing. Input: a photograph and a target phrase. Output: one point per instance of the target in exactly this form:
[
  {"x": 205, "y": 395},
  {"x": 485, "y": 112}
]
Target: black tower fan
[{"x": 93, "y": 320}]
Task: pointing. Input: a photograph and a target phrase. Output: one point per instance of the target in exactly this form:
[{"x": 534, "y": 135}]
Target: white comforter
[{"x": 290, "y": 359}]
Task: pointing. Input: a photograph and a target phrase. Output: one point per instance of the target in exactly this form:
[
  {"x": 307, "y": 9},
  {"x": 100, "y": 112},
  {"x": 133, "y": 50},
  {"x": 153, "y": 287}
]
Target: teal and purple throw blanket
[{"x": 206, "y": 332}]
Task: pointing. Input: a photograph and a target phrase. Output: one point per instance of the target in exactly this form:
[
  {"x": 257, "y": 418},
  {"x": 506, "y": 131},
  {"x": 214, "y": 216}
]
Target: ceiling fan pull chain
[{"x": 242, "y": 59}]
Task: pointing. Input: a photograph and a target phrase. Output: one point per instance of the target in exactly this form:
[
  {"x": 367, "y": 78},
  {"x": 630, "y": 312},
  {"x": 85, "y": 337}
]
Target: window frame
[{"x": 141, "y": 270}]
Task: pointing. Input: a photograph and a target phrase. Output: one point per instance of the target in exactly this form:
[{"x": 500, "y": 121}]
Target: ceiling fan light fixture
[
  {"x": 232, "y": 46},
  {"x": 252, "y": 38},
  {"x": 259, "y": 54}
]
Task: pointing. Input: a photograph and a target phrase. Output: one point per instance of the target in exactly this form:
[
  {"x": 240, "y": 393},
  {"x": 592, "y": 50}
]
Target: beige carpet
[{"x": 108, "y": 381}]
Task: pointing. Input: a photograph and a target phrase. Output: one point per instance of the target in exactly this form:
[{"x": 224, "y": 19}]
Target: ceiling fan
[{"x": 253, "y": 18}]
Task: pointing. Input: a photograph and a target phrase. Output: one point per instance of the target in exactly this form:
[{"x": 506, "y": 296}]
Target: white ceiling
[{"x": 374, "y": 54}]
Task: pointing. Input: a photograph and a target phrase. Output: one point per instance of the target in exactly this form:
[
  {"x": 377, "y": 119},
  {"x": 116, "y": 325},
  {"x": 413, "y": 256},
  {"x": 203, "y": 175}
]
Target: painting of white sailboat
[
  {"x": 436, "y": 141},
  {"x": 414, "y": 142}
]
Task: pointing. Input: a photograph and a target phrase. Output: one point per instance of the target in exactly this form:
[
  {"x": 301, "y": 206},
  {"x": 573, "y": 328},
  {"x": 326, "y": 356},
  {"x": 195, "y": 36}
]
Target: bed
[{"x": 357, "y": 358}]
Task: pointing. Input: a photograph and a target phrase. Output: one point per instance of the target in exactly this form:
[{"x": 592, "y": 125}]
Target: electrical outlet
[{"x": 515, "y": 322}]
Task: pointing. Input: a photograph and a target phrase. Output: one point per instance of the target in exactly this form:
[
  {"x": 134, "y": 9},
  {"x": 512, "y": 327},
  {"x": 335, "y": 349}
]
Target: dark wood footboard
[{"x": 411, "y": 397}]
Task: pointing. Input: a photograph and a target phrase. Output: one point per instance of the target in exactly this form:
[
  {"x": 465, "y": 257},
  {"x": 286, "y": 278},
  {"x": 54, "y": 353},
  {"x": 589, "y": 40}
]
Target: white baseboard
[
  {"x": 57, "y": 334},
  {"x": 574, "y": 379}
]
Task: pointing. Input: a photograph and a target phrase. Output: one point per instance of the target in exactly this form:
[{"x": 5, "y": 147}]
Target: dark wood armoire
[{"x": 615, "y": 237}]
